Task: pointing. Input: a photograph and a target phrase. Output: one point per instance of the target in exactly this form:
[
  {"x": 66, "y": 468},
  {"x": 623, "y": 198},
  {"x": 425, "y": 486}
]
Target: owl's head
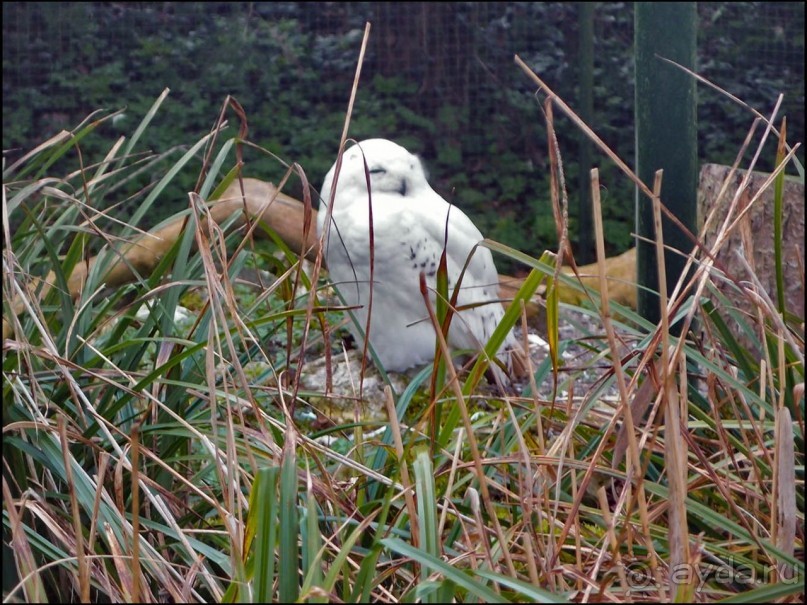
[{"x": 391, "y": 169}]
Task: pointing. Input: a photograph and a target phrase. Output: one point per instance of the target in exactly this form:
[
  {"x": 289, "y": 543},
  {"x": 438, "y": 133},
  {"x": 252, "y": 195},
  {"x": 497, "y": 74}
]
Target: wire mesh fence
[{"x": 438, "y": 76}]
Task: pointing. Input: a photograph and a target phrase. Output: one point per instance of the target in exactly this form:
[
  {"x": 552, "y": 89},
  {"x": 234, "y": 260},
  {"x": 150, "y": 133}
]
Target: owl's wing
[
  {"x": 479, "y": 289},
  {"x": 462, "y": 236}
]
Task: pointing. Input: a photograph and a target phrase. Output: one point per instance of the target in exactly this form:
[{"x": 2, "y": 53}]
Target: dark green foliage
[{"x": 439, "y": 78}]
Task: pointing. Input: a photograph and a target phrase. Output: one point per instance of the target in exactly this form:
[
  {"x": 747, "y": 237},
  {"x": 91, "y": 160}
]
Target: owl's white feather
[{"x": 409, "y": 232}]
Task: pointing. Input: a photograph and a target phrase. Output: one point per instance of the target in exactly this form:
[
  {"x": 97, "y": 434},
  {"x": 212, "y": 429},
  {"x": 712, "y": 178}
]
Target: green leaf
[
  {"x": 262, "y": 524},
  {"x": 289, "y": 552},
  {"x": 476, "y": 589}
]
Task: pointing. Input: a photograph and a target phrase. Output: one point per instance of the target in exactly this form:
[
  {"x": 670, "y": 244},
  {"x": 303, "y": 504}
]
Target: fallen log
[{"x": 260, "y": 200}]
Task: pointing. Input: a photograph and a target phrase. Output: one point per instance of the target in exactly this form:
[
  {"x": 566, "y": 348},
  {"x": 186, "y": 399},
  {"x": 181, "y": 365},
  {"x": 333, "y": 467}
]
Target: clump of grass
[{"x": 146, "y": 459}]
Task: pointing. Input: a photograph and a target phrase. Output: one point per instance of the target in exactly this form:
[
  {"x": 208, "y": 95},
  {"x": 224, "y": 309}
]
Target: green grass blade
[
  {"x": 526, "y": 592},
  {"x": 459, "y": 577},
  {"x": 262, "y": 524},
  {"x": 144, "y": 123},
  {"x": 288, "y": 551},
  {"x": 312, "y": 550},
  {"x": 428, "y": 522}
]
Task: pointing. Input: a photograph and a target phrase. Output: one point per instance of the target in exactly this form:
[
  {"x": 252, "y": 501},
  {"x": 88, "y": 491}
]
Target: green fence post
[{"x": 666, "y": 137}]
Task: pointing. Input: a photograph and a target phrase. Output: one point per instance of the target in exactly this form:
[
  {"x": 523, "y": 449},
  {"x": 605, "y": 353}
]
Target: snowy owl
[{"x": 409, "y": 233}]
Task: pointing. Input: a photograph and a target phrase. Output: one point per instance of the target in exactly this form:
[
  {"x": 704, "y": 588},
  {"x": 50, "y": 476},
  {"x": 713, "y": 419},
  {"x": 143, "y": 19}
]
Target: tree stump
[{"x": 754, "y": 235}]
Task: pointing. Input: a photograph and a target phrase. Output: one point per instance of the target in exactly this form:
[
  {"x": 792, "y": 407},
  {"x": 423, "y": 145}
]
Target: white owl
[{"x": 409, "y": 232}]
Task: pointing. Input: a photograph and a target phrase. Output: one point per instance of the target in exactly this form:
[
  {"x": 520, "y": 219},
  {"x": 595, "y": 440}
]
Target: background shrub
[{"x": 438, "y": 77}]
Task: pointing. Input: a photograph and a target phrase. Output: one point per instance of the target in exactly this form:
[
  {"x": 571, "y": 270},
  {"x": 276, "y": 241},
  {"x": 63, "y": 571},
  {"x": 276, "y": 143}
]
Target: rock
[{"x": 340, "y": 402}]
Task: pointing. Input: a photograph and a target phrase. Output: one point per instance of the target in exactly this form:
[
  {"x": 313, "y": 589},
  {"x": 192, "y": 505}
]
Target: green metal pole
[
  {"x": 666, "y": 138},
  {"x": 585, "y": 249}
]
